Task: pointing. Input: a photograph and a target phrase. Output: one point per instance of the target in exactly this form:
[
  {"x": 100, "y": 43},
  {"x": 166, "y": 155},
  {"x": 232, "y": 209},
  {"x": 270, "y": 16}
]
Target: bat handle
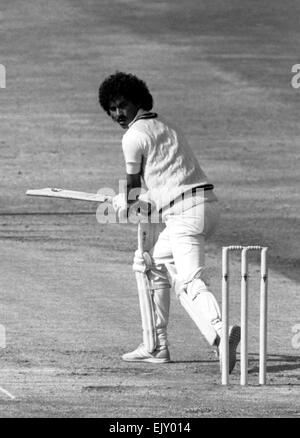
[
  {"x": 108, "y": 199},
  {"x": 140, "y": 235}
]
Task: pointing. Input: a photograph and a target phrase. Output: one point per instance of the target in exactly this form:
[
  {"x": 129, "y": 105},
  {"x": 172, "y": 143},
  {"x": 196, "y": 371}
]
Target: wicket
[{"x": 244, "y": 313}]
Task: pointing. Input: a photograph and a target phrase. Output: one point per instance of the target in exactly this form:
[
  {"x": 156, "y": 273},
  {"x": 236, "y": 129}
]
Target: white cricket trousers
[{"x": 182, "y": 243}]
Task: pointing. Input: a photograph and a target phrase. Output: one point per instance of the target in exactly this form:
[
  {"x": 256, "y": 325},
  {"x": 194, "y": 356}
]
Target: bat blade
[{"x": 50, "y": 192}]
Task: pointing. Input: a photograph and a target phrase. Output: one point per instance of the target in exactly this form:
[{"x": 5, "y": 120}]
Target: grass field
[{"x": 222, "y": 70}]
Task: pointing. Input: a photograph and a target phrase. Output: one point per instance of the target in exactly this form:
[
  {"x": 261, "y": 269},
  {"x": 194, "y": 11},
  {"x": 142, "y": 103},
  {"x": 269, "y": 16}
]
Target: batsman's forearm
[{"x": 133, "y": 187}]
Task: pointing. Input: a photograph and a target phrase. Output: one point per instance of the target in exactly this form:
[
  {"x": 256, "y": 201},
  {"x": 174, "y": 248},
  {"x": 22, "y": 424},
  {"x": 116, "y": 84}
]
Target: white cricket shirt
[{"x": 168, "y": 166}]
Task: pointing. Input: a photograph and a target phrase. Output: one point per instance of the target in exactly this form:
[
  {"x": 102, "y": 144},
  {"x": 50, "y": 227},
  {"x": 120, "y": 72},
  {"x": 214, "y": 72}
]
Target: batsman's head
[{"x": 121, "y": 95}]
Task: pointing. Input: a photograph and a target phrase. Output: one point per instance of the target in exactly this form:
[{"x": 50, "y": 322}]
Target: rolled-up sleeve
[{"x": 133, "y": 145}]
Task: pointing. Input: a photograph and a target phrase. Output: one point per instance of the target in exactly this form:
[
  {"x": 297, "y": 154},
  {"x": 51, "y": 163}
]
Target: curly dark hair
[{"x": 125, "y": 85}]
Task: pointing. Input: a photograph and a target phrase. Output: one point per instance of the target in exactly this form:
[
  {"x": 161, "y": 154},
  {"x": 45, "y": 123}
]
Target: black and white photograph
[{"x": 149, "y": 211}]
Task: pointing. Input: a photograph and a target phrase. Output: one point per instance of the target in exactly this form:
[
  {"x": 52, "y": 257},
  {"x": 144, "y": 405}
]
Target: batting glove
[{"x": 120, "y": 206}]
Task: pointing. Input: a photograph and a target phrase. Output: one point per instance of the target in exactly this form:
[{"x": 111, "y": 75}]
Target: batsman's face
[{"x": 122, "y": 111}]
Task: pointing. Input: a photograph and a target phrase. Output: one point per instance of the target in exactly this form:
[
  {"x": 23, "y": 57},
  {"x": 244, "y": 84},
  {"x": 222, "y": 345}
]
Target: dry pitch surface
[{"x": 68, "y": 298}]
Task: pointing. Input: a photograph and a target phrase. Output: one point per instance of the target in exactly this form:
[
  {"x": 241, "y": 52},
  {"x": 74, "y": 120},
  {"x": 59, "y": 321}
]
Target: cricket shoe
[
  {"x": 234, "y": 340},
  {"x": 160, "y": 355}
]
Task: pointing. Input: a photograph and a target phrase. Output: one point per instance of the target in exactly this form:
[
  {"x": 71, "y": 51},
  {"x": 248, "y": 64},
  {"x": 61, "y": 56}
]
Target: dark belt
[
  {"x": 203, "y": 187},
  {"x": 193, "y": 191}
]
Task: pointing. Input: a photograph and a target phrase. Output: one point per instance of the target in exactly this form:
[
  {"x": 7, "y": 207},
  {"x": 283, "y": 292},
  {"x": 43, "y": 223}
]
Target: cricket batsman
[{"x": 159, "y": 160}]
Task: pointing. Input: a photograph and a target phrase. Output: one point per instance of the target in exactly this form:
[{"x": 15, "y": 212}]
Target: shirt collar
[{"x": 142, "y": 114}]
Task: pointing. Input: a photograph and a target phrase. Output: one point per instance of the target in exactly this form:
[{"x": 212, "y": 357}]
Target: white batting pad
[
  {"x": 147, "y": 312},
  {"x": 202, "y": 307},
  {"x": 154, "y": 304}
]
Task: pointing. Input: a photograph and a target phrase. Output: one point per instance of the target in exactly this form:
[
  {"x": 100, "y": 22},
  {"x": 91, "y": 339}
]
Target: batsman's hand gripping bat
[{"x": 70, "y": 194}]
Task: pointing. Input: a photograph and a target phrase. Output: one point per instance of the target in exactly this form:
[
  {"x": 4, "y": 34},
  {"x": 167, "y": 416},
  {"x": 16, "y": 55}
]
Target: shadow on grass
[{"x": 281, "y": 363}]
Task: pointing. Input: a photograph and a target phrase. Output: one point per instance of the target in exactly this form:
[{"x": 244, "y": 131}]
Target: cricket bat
[{"x": 70, "y": 194}]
